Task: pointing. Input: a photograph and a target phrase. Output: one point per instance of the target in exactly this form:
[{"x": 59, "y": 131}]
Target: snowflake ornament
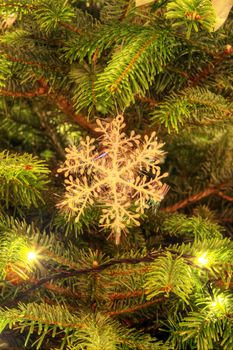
[{"x": 121, "y": 177}]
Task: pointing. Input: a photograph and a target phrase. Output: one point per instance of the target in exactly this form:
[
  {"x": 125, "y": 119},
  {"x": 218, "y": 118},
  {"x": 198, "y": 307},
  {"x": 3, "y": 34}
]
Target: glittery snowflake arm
[
  {"x": 122, "y": 177},
  {"x": 80, "y": 160},
  {"x": 147, "y": 155},
  {"x": 77, "y": 159},
  {"x": 79, "y": 195}
]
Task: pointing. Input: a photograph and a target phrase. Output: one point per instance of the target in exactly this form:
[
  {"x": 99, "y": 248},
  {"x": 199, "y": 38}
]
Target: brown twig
[
  {"x": 59, "y": 100},
  {"x": 48, "y": 281},
  {"x": 120, "y": 296},
  {"x": 197, "y": 197},
  {"x": 77, "y": 272},
  {"x": 137, "y": 307},
  {"x": 192, "y": 199},
  {"x": 224, "y": 196},
  {"x": 70, "y": 27},
  {"x": 206, "y": 71},
  {"x": 27, "y": 63},
  {"x": 148, "y": 100},
  {"x": 226, "y": 220},
  {"x": 67, "y": 108},
  {"x": 30, "y": 94}
]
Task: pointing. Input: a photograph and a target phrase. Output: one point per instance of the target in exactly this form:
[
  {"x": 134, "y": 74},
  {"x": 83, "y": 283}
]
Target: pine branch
[
  {"x": 210, "y": 68},
  {"x": 48, "y": 321},
  {"x": 27, "y": 63},
  {"x": 61, "y": 275},
  {"x": 125, "y": 76},
  {"x": 70, "y": 27},
  {"x": 116, "y": 11},
  {"x": 191, "y": 105},
  {"x": 192, "y": 199},
  {"x": 152, "y": 102},
  {"x": 60, "y": 101},
  {"x": 120, "y": 296},
  {"x": 224, "y": 196},
  {"x": 23, "y": 177},
  {"x": 72, "y": 273},
  {"x": 137, "y": 307},
  {"x": 30, "y": 94},
  {"x": 67, "y": 108},
  {"x": 18, "y": 5}
]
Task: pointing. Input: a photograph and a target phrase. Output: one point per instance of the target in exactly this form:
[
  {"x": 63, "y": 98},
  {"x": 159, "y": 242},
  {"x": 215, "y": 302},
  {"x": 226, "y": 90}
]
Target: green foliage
[
  {"x": 5, "y": 69},
  {"x": 100, "y": 332},
  {"x": 69, "y": 226},
  {"x": 196, "y": 228},
  {"x": 23, "y": 178},
  {"x": 98, "y": 39},
  {"x": 218, "y": 167},
  {"x": 217, "y": 253},
  {"x": 84, "y": 95},
  {"x": 125, "y": 74},
  {"x": 206, "y": 327},
  {"x": 41, "y": 318},
  {"x": 169, "y": 275},
  {"x": 65, "y": 64},
  {"x": 193, "y": 105},
  {"x": 14, "y": 251},
  {"x": 50, "y": 13},
  {"x": 192, "y": 14},
  {"x": 91, "y": 332},
  {"x": 209, "y": 326},
  {"x": 10, "y": 7},
  {"x": 113, "y": 10}
]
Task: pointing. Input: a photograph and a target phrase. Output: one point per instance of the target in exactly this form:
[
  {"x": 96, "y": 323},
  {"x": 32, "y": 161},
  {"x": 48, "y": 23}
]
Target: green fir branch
[
  {"x": 192, "y": 14},
  {"x": 125, "y": 75},
  {"x": 50, "y": 13},
  {"x": 113, "y": 10},
  {"x": 23, "y": 178},
  {"x": 5, "y": 70},
  {"x": 193, "y": 105},
  {"x": 195, "y": 228},
  {"x": 169, "y": 275}
]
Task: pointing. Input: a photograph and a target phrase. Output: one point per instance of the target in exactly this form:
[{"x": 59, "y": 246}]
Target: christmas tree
[{"x": 116, "y": 175}]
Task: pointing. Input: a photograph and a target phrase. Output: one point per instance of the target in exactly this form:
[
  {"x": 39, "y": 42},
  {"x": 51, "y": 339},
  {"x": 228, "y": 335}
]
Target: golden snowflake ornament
[{"x": 120, "y": 177}]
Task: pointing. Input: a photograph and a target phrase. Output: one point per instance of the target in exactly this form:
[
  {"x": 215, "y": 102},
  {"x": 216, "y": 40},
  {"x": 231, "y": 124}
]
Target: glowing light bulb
[
  {"x": 203, "y": 260},
  {"x": 32, "y": 256},
  {"x": 219, "y": 302}
]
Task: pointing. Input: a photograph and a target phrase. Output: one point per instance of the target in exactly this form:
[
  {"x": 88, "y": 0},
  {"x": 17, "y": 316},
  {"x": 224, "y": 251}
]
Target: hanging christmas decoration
[
  {"x": 142, "y": 2},
  {"x": 222, "y": 9},
  {"x": 114, "y": 180}
]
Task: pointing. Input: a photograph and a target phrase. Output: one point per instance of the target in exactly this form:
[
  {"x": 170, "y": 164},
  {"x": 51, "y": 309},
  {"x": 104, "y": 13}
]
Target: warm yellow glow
[
  {"x": 113, "y": 175},
  {"x": 32, "y": 256},
  {"x": 218, "y": 302},
  {"x": 203, "y": 260}
]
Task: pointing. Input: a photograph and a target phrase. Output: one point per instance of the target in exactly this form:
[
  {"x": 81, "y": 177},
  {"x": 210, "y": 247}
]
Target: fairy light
[
  {"x": 31, "y": 256},
  {"x": 219, "y": 302},
  {"x": 203, "y": 259}
]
